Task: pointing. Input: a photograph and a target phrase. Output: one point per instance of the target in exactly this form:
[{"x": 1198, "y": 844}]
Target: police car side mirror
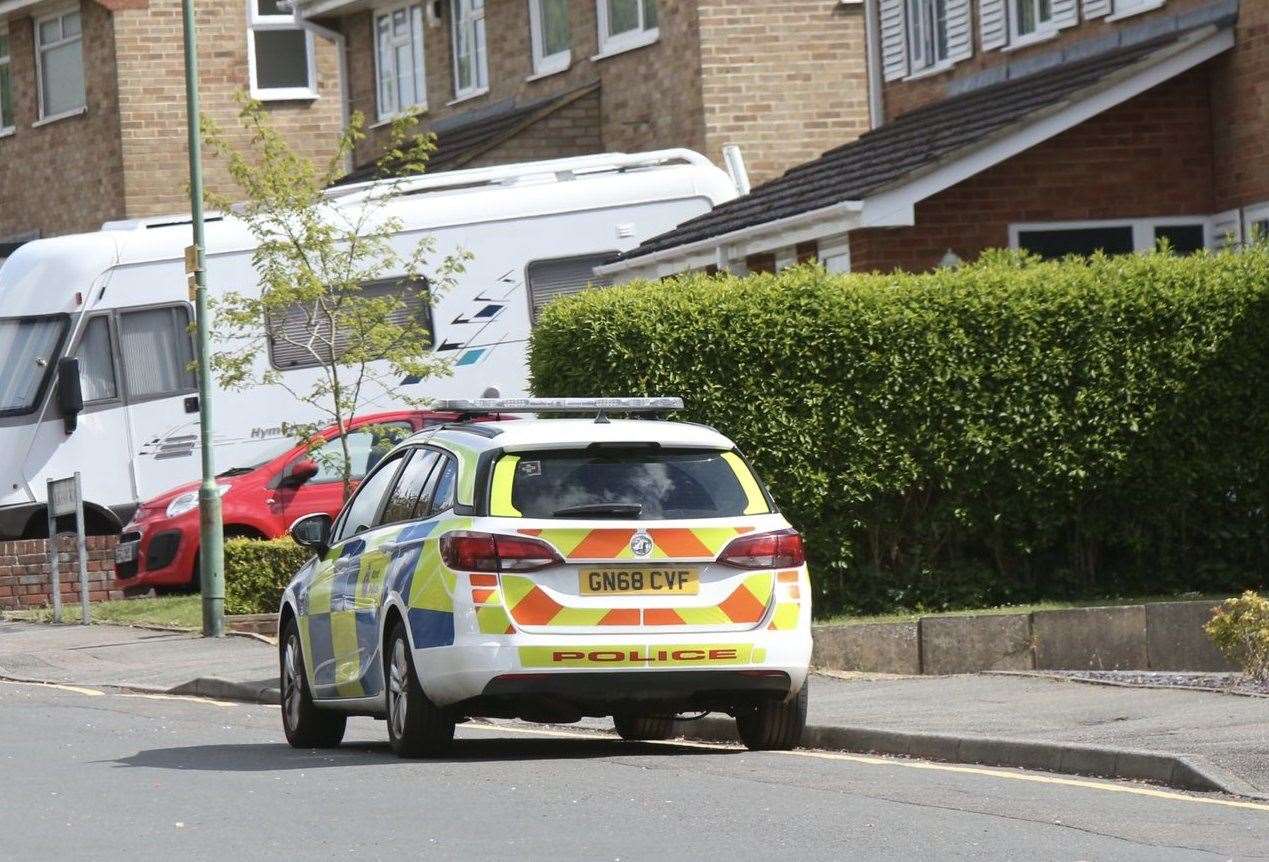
[
  {"x": 313, "y": 532},
  {"x": 70, "y": 393}
]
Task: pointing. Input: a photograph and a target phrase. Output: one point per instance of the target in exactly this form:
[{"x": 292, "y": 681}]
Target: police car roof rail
[{"x": 600, "y": 407}]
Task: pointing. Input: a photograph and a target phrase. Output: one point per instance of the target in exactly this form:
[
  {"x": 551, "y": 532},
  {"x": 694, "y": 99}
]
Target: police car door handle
[{"x": 391, "y": 547}]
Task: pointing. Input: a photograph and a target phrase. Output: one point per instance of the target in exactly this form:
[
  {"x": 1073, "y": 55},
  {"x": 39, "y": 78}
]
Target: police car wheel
[
  {"x": 416, "y": 726},
  {"x": 637, "y": 727},
  {"x": 306, "y": 725},
  {"x": 775, "y": 726}
]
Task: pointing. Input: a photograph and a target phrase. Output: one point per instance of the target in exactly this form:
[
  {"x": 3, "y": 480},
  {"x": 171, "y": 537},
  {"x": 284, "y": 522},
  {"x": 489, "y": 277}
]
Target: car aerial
[
  {"x": 159, "y": 547},
  {"x": 547, "y": 570}
]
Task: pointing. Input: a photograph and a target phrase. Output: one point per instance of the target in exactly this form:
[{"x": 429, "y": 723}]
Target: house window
[
  {"x": 927, "y": 33},
  {"x": 1184, "y": 235},
  {"x": 548, "y": 23},
  {"x": 626, "y": 24},
  {"x": 59, "y": 58},
  {"x": 471, "y": 70},
  {"x": 6, "y": 84},
  {"x": 399, "y": 60},
  {"x": 1031, "y": 17},
  {"x": 279, "y": 54}
]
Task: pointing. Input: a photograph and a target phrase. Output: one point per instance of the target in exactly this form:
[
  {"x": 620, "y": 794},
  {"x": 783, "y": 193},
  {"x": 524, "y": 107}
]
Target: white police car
[{"x": 550, "y": 569}]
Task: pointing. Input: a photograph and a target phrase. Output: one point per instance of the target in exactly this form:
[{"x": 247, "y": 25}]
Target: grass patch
[
  {"x": 912, "y": 616},
  {"x": 177, "y": 611}
]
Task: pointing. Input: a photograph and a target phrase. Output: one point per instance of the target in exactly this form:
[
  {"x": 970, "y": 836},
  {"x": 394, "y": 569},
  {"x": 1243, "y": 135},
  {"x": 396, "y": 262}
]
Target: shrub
[
  {"x": 1007, "y": 431},
  {"x": 1240, "y": 629},
  {"x": 256, "y": 573}
]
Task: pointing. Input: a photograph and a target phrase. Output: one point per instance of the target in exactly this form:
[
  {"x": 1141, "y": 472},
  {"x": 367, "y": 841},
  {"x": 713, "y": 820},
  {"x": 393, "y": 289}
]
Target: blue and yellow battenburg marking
[{"x": 340, "y": 629}]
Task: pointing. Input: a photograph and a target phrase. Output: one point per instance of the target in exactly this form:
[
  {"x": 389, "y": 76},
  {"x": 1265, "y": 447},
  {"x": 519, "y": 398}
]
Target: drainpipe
[
  {"x": 872, "y": 35},
  {"x": 340, "y": 42},
  {"x": 735, "y": 162}
]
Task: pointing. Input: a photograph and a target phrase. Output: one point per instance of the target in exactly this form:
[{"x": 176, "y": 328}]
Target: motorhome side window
[
  {"x": 30, "y": 346},
  {"x": 550, "y": 279},
  {"x": 157, "y": 351},
  {"x": 97, "y": 362},
  {"x": 290, "y": 345}
]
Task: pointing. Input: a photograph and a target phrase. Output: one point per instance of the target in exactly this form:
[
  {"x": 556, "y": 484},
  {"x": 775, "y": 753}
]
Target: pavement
[
  {"x": 157, "y": 777},
  {"x": 1187, "y": 739}
]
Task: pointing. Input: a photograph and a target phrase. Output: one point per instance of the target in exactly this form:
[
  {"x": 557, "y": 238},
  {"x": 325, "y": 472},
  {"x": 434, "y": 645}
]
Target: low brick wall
[{"x": 26, "y": 578}]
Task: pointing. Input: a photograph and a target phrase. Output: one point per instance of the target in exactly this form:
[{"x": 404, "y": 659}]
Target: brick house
[
  {"x": 1056, "y": 126},
  {"x": 512, "y": 80},
  {"x": 92, "y": 103}
]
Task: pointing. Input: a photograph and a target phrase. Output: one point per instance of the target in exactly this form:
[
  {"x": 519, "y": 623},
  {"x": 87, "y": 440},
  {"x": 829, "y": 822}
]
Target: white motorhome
[{"x": 117, "y": 300}]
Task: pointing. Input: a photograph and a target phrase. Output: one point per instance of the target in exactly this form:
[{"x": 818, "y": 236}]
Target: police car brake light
[
  {"x": 485, "y": 552},
  {"x": 779, "y": 550}
]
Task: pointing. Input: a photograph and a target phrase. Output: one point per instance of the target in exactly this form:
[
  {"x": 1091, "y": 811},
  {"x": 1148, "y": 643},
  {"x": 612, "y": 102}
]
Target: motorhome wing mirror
[
  {"x": 70, "y": 394},
  {"x": 300, "y": 472},
  {"x": 312, "y": 532}
]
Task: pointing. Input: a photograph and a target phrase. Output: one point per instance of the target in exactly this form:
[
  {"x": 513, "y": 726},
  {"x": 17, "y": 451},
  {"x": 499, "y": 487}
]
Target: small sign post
[{"x": 65, "y": 498}]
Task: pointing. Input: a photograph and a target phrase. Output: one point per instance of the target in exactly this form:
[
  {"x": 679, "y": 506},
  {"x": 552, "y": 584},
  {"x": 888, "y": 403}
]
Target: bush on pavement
[
  {"x": 1006, "y": 431},
  {"x": 256, "y": 573},
  {"x": 1240, "y": 629}
]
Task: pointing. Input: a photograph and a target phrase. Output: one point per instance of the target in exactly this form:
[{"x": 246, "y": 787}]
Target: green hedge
[
  {"x": 1006, "y": 431},
  {"x": 256, "y": 573}
]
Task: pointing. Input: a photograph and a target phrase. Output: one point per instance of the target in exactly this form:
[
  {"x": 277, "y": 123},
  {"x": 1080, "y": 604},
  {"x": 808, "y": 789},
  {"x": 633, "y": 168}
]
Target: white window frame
[
  {"x": 257, "y": 22},
  {"x": 415, "y": 13},
  {"x": 39, "y": 64},
  {"x": 544, "y": 64},
  {"x": 1142, "y": 229},
  {"x": 927, "y": 10},
  {"x": 1043, "y": 29},
  {"x": 1127, "y": 8},
  {"x": 1253, "y": 214},
  {"x": 480, "y": 70},
  {"x": 7, "y": 128},
  {"x": 622, "y": 42}
]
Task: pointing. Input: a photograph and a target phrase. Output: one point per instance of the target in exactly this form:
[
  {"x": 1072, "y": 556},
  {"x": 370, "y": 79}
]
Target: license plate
[
  {"x": 127, "y": 552},
  {"x": 640, "y": 582}
]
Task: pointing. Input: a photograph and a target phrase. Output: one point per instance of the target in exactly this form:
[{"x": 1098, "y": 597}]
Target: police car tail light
[
  {"x": 485, "y": 552},
  {"x": 779, "y": 550}
]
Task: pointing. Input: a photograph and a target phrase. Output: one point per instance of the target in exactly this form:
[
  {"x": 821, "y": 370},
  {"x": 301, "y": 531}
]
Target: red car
[{"x": 159, "y": 546}]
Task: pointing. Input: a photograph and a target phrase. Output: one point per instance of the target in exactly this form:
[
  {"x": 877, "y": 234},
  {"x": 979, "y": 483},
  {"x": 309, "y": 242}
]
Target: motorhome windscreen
[{"x": 28, "y": 354}]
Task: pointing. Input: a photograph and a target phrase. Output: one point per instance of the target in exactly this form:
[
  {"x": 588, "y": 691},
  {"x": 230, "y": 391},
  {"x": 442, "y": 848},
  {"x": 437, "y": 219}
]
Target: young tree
[{"x": 335, "y": 288}]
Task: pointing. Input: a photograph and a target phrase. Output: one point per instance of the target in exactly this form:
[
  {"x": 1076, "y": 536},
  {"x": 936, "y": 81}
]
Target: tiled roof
[
  {"x": 462, "y": 137},
  {"x": 894, "y": 152}
]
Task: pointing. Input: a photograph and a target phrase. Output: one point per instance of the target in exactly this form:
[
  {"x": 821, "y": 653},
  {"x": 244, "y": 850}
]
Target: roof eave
[{"x": 835, "y": 218}]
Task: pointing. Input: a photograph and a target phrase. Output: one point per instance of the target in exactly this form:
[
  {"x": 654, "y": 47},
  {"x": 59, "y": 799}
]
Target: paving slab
[{"x": 129, "y": 657}]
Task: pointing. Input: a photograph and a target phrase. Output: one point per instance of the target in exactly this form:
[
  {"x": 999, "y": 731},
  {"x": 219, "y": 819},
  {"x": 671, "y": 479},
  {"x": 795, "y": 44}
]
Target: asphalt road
[{"x": 111, "y": 776}]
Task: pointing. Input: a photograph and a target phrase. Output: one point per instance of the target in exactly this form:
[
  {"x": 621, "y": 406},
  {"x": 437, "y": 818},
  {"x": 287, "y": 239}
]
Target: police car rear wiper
[{"x": 600, "y": 510}]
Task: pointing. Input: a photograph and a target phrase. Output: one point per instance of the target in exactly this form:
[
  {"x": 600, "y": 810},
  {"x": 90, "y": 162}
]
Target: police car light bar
[{"x": 559, "y": 405}]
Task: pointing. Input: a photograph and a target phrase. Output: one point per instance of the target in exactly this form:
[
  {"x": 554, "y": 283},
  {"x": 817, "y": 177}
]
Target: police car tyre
[
  {"x": 635, "y": 727},
  {"x": 306, "y": 725},
  {"x": 775, "y": 726},
  {"x": 416, "y": 726}
]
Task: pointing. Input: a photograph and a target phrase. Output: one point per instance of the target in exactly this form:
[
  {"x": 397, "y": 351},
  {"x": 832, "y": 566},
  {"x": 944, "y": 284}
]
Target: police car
[{"x": 546, "y": 570}]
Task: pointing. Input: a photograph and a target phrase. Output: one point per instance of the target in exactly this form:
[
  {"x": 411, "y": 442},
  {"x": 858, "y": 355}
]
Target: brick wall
[
  {"x": 1150, "y": 156},
  {"x": 650, "y": 97},
  {"x": 1240, "y": 98},
  {"x": 25, "y": 575},
  {"x": 786, "y": 81},
  {"x": 152, "y": 100},
  {"x": 65, "y": 176},
  {"x": 126, "y": 156}
]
